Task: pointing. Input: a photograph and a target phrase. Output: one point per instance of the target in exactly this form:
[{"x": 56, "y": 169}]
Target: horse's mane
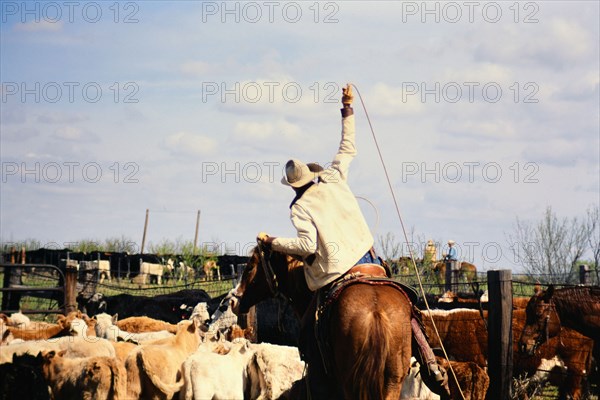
[
  {"x": 295, "y": 267},
  {"x": 296, "y": 271},
  {"x": 578, "y": 299},
  {"x": 293, "y": 261}
]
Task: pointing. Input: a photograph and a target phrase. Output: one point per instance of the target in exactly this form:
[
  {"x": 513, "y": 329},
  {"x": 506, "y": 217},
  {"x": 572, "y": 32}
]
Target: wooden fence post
[
  {"x": 500, "y": 346},
  {"x": 70, "y": 289},
  {"x": 196, "y": 233},
  {"x": 448, "y": 277},
  {"x": 584, "y": 276},
  {"x": 145, "y": 230},
  {"x": 451, "y": 278}
]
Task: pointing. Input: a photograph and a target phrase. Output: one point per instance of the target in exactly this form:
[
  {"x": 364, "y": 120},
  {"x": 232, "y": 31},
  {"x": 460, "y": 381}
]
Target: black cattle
[
  {"x": 276, "y": 322},
  {"x": 172, "y": 307},
  {"x": 23, "y": 379},
  {"x": 46, "y": 256},
  {"x": 228, "y": 264}
]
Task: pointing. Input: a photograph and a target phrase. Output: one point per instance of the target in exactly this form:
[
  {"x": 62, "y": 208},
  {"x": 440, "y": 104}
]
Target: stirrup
[{"x": 439, "y": 373}]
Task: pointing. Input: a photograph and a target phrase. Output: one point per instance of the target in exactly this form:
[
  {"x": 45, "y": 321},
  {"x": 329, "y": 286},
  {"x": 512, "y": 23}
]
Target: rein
[
  {"x": 268, "y": 269},
  {"x": 272, "y": 282},
  {"x": 538, "y": 342}
]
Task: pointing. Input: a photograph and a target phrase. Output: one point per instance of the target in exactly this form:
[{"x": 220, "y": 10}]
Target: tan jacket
[{"x": 329, "y": 221}]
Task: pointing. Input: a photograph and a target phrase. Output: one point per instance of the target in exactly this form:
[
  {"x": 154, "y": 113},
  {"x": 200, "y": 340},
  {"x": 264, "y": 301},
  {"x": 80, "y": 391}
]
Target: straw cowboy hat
[
  {"x": 450, "y": 241},
  {"x": 298, "y": 174}
]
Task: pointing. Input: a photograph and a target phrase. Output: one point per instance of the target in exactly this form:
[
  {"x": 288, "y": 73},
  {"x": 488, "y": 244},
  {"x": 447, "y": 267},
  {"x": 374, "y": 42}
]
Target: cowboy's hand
[
  {"x": 347, "y": 96},
  {"x": 262, "y": 237}
]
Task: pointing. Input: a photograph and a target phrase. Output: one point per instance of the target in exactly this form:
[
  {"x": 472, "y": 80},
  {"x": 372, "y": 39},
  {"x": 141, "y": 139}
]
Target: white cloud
[
  {"x": 482, "y": 74},
  {"x": 34, "y": 156},
  {"x": 387, "y": 100},
  {"x": 560, "y": 152},
  {"x": 196, "y": 68},
  {"x": 41, "y": 26},
  {"x": 19, "y": 135},
  {"x": 68, "y": 133},
  {"x": 487, "y": 129},
  {"x": 554, "y": 43},
  {"x": 569, "y": 38},
  {"x": 190, "y": 144},
  {"x": 61, "y": 118},
  {"x": 251, "y": 131}
]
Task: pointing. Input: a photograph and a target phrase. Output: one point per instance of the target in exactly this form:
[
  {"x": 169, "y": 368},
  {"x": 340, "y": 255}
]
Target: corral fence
[
  {"x": 60, "y": 278},
  {"x": 28, "y": 283}
]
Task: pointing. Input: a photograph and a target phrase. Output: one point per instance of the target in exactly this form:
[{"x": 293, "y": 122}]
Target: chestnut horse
[
  {"x": 467, "y": 270},
  {"x": 576, "y": 307},
  {"x": 370, "y": 323}
]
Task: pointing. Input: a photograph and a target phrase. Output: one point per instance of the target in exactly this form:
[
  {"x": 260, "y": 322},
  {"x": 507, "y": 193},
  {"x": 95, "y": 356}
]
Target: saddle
[{"x": 371, "y": 274}]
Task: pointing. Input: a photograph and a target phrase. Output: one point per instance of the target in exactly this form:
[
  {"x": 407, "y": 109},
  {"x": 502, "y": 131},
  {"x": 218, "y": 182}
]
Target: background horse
[
  {"x": 370, "y": 324},
  {"x": 467, "y": 271},
  {"x": 577, "y": 308}
]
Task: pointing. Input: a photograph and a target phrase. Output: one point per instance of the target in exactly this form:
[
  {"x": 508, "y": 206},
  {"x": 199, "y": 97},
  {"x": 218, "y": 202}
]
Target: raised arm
[{"x": 347, "y": 149}]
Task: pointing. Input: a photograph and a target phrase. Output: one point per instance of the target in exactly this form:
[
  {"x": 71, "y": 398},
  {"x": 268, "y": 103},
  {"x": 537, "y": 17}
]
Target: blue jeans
[{"x": 368, "y": 259}]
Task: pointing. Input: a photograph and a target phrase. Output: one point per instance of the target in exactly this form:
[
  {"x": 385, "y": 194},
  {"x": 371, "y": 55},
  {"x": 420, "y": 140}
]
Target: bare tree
[
  {"x": 593, "y": 221},
  {"x": 552, "y": 247},
  {"x": 389, "y": 246},
  {"x": 415, "y": 244}
]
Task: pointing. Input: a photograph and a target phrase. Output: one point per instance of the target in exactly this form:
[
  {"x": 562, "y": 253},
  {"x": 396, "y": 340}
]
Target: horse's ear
[
  {"x": 537, "y": 289},
  {"x": 549, "y": 292}
]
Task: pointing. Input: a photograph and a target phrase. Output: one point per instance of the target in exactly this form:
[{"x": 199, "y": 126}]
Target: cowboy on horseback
[{"x": 333, "y": 238}]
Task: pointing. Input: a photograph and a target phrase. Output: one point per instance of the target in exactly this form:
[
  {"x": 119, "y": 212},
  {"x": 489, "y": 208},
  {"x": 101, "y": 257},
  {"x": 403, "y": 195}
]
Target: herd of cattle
[
  {"x": 186, "y": 345},
  {"x": 117, "y": 354},
  {"x": 140, "y": 268}
]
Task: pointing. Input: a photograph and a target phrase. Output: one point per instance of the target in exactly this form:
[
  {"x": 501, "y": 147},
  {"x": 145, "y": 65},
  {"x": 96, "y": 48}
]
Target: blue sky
[{"x": 484, "y": 113}]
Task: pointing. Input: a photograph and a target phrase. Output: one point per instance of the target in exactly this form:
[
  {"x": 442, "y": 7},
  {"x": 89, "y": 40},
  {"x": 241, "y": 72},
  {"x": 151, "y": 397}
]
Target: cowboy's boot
[{"x": 434, "y": 375}]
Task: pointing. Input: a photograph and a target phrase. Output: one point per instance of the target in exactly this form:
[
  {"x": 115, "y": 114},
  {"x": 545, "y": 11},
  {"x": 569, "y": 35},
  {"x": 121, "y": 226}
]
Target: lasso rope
[{"x": 387, "y": 177}]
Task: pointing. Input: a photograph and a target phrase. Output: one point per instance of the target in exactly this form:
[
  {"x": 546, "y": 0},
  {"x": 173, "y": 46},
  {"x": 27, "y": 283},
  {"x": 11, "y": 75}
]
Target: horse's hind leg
[
  {"x": 398, "y": 364},
  {"x": 395, "y": 374}
]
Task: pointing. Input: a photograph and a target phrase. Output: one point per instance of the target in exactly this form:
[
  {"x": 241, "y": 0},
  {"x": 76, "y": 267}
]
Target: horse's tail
[{"x": 368, "y": 372}]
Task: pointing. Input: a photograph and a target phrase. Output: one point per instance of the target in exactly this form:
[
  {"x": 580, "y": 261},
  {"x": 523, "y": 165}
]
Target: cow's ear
[
  {"x": 115, "y": 318},
  {"x": 48, "y": 355},
  {"x": 194, "y": 325},
  {"x": 549, "y": 292}
]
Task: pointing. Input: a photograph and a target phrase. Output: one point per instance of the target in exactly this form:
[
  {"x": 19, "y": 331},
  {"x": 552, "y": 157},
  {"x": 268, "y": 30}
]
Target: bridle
[
  {"x": 538, "y": 341},
  {"x": 270, "y": 275}
]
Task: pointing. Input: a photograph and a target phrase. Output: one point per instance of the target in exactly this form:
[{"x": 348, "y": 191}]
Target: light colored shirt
[
  {"x": 332, "y": 232},
  {"x": 452, "y": 255}
]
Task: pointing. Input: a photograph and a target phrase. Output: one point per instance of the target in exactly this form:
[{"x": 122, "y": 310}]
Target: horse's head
[
  {"x": 268, "y": 274},
  {"x": 253, "y": 286},
  {"x": 542, "y": 321},
  {"x": 438, "y": 266}
]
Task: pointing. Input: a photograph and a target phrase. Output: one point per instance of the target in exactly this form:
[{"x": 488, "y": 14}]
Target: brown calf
[{"x": 92, "y": 378}]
